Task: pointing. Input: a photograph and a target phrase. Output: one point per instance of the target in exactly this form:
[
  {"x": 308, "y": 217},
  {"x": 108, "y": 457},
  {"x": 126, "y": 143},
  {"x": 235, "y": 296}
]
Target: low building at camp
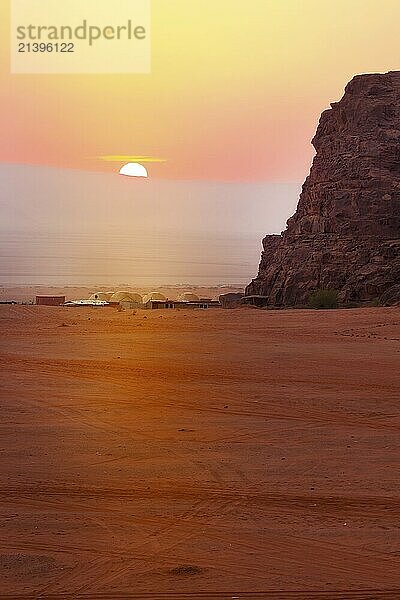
[
  {"x": 184, "y": 304},
  {"x": 256, "y": 300},
  {"x": 231, "y": 300},
  {"x": 45, "y": 300}
]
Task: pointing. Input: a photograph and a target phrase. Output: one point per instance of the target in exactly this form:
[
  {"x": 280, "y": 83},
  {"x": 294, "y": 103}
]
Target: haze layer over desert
[{"x": 199, "y": 453}]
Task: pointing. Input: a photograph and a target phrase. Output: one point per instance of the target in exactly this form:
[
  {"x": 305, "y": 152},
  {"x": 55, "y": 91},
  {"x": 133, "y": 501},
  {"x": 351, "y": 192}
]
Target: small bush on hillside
[
  {"x": 375, "y": 302},
  {"x": 324, "y": 299}
]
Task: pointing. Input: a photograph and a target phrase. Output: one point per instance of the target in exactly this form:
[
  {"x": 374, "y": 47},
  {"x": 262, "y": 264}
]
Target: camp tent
[
  {"x": 157, "y": 296},
  {"x": 189, "y": 297},
  {"x": 125, "y": 296},
  {"x": 101, "y": 296}
]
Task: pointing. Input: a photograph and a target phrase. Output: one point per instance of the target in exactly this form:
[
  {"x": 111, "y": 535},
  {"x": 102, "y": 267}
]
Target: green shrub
[
  {"x": 375, "y": 302},
  {"x": 324, "y": 299}
]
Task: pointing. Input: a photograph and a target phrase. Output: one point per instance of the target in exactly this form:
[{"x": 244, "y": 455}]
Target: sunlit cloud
[{"x": 128, "y": 158}]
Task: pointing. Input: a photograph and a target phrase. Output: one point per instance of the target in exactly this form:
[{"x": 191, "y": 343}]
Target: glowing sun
[{"x": 133, "y": 170}]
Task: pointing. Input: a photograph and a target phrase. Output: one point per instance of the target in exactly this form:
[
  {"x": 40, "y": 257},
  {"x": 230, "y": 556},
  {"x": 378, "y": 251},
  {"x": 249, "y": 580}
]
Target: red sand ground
[{"x": 199, "y": 454}]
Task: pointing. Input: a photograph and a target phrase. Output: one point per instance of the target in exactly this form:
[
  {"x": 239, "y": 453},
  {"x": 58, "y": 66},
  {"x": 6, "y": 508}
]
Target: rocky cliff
[{"x": 345, "y": 233}]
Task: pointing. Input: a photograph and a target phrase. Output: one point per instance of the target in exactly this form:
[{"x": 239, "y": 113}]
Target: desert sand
[{"x": 199, "y": 454}]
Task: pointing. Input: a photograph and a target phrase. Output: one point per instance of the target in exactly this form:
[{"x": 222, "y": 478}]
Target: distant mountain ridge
[{"x": 345, "y": 233}]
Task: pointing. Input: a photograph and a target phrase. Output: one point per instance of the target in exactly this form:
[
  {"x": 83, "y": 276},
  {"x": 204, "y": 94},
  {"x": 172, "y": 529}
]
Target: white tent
[
  {"x": 125, "y": 296},
  {"x": 189, "y": 297},
  {"x": 154, "y": 296},
  {"x": 101, "y": 296}
]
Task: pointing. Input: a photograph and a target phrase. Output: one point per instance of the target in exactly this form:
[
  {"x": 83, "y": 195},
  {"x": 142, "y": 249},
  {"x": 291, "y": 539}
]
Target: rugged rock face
[{"x": 345, "y": 233}]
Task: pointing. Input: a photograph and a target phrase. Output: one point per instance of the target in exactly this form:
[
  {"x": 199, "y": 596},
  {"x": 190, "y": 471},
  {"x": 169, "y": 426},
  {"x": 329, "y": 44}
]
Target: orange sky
[{"x": 235, "y": 91}]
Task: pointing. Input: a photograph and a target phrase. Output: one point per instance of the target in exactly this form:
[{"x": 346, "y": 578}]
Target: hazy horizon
[{"x": 67, "y": 227}]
